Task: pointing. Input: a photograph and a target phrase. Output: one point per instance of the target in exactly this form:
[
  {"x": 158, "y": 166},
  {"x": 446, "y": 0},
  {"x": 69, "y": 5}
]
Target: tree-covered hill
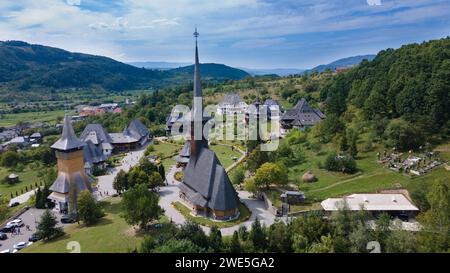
[
  {"x": 212, "y": 71},
  {"x": 25, "y": 67},
  {"x": 411, "y": 84}
]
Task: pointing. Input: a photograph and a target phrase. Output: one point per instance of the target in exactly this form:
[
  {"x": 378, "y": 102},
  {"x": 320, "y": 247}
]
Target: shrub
[
  {"x": 179, "y": 176},
  {"x": 337, "y": 163}
]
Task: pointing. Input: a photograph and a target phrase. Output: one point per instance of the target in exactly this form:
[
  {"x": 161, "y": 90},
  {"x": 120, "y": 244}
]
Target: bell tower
[{"x": 72, "y": 178}]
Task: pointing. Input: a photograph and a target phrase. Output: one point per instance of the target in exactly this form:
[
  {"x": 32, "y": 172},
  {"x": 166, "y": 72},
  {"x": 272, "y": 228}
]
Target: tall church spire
[
  {"x": 197, "y": 84},
  {"x": 197, "y": 139}
]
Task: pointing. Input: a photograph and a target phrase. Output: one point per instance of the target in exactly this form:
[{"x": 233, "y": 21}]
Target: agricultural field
[{"x": 45, "y": 117}]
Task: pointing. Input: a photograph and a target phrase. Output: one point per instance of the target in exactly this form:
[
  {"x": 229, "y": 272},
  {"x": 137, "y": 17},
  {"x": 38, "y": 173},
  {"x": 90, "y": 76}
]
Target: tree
[
  {"x": 88, "y": 209},
  {"x": 46, "y": 228},
  {"x": 215, "y": 239},
  {"x": 140, "y": 206},
  {"x": 271, "y": 173},
  {"x": 353, "y": 149},
  {"x": 256, "y": 158},
  {"x": 310, "y": 228},
  {"x": 9, "y": 159},
  {"x": 193, "y": 232},
  {"x": 344, "y": 143},
  {"x": 137, "y": 177},
  {"x": 402, "y": 135},
  {"x": 324, "y": 246},
  {"x": 148, "y": 245},
  {"x": 257, "y": 236},
  {"x": 178, "y": 246},
  {"x": 235, "y": 245},
  {"x": 345, "y": 164},
  {"x": 3, "y": 208},
  {"x": 279, "y": 238},
  {"x": 382, "y": 228},
  {"x": 435, "y": 235},
  {"x": 162, "y": 171},
  {"x": 238, "y": 175},
  {"x": 249, "y": 185},
  {"x": 359, "y": 239},
  {"x": 120, "y": 183},
  {"x": 155, "y": 180},
  {"x": 400, "y": 241}
]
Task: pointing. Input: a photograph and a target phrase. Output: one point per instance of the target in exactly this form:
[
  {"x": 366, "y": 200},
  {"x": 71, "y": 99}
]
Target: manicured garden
[{"x": 244, "y": 216}]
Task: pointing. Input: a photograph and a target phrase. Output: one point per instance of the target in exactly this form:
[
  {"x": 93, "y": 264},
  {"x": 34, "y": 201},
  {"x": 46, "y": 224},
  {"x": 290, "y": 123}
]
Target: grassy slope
[
  {"x": 27, "y": 177},
  {"x": 225, "y": 154},
  {"x": 110, "y": 235},
  {"x": 371, "y": 176}
]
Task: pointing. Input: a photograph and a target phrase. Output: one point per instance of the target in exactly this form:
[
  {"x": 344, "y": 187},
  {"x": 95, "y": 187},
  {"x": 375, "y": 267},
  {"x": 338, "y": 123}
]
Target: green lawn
[
  {"x": 169, "y": 151},
  {"x": 111, "y": 235},
  {"x": 244, "y": 216},
  {"x": 27, "y": 177},
  {"x": 47, "y": 116},
  {"x": 225, "y": 154}
]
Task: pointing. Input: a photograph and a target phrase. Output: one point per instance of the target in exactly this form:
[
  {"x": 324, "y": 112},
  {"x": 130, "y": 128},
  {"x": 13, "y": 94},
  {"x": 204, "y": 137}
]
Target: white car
[
  {"x": 21, "y": 245},
  {"x": 15, "y": 223},
  {"x": 5, "y": 251}
]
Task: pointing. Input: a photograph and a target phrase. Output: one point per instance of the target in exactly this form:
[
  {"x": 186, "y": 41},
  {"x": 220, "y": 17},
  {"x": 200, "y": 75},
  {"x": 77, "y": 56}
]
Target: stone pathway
[
  {"x": 23, "y": 197},
  {"x": 169, "y": 194},
  {"x": 105, "y": 182}
]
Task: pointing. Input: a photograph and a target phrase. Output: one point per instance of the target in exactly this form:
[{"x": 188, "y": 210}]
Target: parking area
[{"x": 30, "y": 218}]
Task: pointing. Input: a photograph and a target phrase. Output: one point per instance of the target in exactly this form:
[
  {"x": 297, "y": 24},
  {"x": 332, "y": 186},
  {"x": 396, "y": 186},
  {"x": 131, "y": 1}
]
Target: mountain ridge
[{"x": 25, "y": 66}]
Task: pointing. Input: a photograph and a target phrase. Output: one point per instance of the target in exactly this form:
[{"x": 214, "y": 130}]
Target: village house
[
  {"x": 99, "y": 137},
  {"x": 135, "y": 135},
  {"x": 231, "y": 104},
  {"x": 301, "y": 117}
]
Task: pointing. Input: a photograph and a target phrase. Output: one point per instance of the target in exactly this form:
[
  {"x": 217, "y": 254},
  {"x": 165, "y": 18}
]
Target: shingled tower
[{"x": 72, "y": 177}]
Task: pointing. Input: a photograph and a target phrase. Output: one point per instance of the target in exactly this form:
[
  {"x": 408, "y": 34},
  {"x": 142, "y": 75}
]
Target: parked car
[
  {"x": 15, "y": 204},
  {"x": 5, "y": 251},
  {"x": 15, "y": 223},
  {"x": 5, "y": 229},
  {"x": 66, "y": 219},
  {"x": 3, "y": 236},
  {"x": 34, "y": 238},
  {"x": 22, "y": 245}
]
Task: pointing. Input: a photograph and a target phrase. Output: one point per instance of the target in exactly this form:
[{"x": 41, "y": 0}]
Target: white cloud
[
  {"x": 73, "y": 2},
  {"x": 141, "y": 29}
]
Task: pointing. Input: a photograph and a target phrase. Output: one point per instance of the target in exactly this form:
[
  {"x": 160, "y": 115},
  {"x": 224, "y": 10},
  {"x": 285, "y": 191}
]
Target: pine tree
[
  {"x": 235, "y": 245},
  {"x": 257, "y": 236},
  {"x": 215, "y": 239},
  {"x": 162, "y": 172},
  {"x": 46, "y": 228}
]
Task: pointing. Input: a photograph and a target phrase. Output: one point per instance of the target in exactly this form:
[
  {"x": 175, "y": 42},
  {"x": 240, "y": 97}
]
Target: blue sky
[{"x": 243, "y": 33}]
